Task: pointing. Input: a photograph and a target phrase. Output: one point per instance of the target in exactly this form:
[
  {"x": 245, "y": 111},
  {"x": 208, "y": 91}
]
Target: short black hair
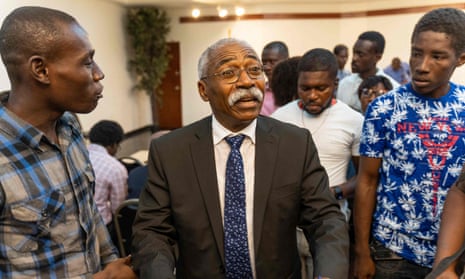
[
  {"x": 106, "y": 133},
  {"x": 318, "y": 59},
  {"x": 444, "y": 20},
  {"x": 373, "y": 81},
  {"x": 375, "y": 37},
  {"x": 340, "y": 47},
  {"x": 27, "y": 30},
  {"x": 278, "y": 45},
  {"x": 284, "y": 82}
]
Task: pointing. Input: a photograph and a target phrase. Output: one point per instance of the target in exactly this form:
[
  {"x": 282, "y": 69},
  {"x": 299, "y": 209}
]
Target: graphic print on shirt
[
  {"x": 421, "y": 143},
  {"x": 436, "y": 135}
]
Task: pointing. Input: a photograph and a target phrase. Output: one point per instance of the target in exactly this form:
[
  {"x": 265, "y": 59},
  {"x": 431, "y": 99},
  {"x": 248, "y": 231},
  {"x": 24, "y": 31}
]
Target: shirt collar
[
  {"x": 19, "y": 129},
  {"x": 220, "y": 132},
  {"x": 97, "y": 148},
  {"x": 16, "y": 127}
]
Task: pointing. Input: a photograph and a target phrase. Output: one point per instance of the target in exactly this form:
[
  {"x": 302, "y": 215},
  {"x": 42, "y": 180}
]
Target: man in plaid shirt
[{"x": 49, "y": 223}]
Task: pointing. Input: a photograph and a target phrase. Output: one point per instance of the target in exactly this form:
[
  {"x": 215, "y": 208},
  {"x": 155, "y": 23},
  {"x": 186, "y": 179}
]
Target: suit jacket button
[{"x": 222, "y": 269}]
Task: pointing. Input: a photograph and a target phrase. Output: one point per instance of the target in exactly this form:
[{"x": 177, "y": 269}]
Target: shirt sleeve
[
  {"x": 356, "y": 142},
  {"x": 108, "y": 251},
  {"x": 373, "y": 136}
]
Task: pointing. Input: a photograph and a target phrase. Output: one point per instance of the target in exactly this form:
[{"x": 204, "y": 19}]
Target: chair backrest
[
  {"x": 130, "y": 162},
  {"x": 123, "y": 220},
  {"x": 137, "y": 178}
]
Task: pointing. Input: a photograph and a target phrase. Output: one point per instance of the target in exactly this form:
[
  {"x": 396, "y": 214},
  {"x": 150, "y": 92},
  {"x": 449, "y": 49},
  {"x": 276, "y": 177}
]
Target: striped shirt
[{"x": 49, "y": 223}]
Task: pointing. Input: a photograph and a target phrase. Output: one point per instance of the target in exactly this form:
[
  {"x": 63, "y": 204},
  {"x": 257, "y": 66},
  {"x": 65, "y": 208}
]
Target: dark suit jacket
[{"x": 179, "y": 221}]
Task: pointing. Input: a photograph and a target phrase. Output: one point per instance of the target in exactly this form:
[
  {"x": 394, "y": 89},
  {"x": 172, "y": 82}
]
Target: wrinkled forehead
[
  {"x": 233, "y": 53},
  {"x": 364, "y": 45}
]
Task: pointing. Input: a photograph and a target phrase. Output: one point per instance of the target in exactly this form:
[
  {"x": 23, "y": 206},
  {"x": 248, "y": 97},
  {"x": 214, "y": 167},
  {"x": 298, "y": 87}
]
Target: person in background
[
  {"x": 137, "y": 177},
  {"x": 342, "y": 54},
  {"x": 284, "y": 83},
  {"x": 273, "y": 53},
  {"x": 371, "y": 88},
  {"x": 412, "y": 150},
  {"x": 334, "y": 126},
  {"x": 50, "y": 226},
  {"x": 398, "y": 70},
  {"x": 367, "y": 51},
  {"x": 225, "y": 194},
  {"x": 111, "y": 176}
]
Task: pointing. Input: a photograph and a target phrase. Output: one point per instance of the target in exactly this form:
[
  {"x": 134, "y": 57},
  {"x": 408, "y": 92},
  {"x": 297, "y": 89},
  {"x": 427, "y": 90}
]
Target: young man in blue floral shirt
[{"x": 412, "y": 150}]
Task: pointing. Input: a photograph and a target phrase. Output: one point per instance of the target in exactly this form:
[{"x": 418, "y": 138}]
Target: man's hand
[
  {"x": 118, "y": 269},
  {"x": 364, "y": 267}
]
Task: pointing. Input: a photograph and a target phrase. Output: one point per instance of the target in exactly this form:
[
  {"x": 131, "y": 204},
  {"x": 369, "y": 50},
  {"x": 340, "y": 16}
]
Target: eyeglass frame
[
  {"x": 368, "y": 93},
  {"x": 238, "y": 72}
]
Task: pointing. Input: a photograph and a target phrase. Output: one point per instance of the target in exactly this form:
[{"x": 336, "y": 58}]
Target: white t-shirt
[{"x": 336, "y": 132}]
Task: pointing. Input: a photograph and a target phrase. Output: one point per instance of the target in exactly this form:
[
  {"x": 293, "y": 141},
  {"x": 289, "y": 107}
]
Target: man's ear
[
  {"x": 202, "y": 87},
  {"x": 38, "y": 69},
  {"x": 336, "y": 86},
  {"x": 461, "y": 59}
]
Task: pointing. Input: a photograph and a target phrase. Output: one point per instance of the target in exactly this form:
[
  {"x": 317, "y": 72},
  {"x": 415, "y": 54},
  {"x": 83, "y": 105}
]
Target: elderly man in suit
[{"x": 225, "y": 194}]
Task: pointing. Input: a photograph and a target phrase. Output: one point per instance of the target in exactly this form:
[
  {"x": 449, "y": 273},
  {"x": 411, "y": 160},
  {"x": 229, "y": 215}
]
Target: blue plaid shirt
[{"x": 49, "y": 223}]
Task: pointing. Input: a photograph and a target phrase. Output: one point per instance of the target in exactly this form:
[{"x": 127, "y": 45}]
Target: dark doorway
[{"x": 169, "y": 110}]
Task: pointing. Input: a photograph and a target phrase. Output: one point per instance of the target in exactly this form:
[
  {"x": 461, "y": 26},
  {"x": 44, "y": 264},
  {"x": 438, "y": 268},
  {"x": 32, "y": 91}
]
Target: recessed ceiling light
[
  {"x": 240, "y": 11},
  {"x": 195, "y": 13},
  {"x": 222, "y": 12}
]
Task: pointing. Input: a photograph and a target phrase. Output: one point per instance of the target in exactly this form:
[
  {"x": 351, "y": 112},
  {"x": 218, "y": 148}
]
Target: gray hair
[{"x": 204, "y": 59}]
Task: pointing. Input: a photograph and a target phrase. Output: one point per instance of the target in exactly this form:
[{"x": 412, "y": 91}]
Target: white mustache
[{"x": 242, "y": 92}]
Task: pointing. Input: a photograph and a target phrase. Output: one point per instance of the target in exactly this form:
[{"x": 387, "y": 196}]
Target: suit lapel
[
  {"x": 204, "y": 163},
  {"x": 266, "y": 150}
]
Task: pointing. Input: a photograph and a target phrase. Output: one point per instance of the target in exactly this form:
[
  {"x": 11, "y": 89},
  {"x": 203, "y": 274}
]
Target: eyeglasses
[
  {"x": 231, "y": 75},
  {"x": 368, "y": 93}
]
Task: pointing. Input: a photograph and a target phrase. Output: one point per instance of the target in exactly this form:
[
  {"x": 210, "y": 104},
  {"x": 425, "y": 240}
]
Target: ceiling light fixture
[
  {"x": 222, "y": 12},
  {"x": 195, "y": 13},
  {"x": 240, "y": 11}
]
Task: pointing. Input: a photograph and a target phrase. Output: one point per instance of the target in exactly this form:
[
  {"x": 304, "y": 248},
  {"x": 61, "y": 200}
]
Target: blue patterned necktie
[{"x": 236, "y": 250}]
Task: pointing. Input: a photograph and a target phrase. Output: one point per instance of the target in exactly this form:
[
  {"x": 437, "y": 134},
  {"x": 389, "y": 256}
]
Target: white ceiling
[
  {"x": 188, "y": 3},
  {"x": 262, "y": 6}
]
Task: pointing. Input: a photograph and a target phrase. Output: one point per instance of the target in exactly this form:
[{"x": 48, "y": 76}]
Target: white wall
[
  {"x": 300, "y": 36},
  {"x": 103, "y": 21}
]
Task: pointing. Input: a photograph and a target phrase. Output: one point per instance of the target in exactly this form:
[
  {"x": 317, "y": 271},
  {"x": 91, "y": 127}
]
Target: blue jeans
[{"x": 399, "y": 269}]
